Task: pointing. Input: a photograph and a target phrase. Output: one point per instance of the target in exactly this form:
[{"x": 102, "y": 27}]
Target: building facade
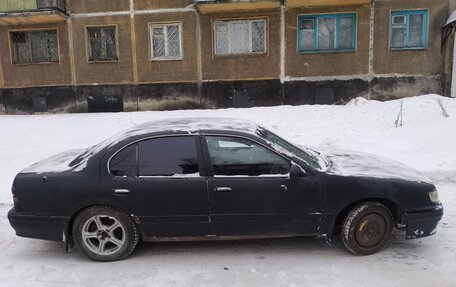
[{"x": 112, "y": 55}]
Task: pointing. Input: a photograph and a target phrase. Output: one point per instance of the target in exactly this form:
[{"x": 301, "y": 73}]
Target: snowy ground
[{"x": 426, "y": 141}]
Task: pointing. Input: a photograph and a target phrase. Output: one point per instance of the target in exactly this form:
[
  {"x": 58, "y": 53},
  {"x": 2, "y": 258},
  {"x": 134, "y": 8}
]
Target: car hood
[
  {"x": 351, "y": 163},
  {"x": 58, "y": 163}
]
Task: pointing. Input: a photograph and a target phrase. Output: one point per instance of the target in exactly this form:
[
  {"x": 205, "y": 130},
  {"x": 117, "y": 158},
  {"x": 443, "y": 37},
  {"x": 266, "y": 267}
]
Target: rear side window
[
  {"x": 232, "y": 156},
  {"x": 123, "y": 164},
  {"x": 170, "y": 156}
]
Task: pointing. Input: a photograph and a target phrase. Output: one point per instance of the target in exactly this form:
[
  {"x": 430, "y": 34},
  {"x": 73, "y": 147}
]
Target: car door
[
  {"x": 160, "y": 180},
  {"x": 251, "y": 192}
]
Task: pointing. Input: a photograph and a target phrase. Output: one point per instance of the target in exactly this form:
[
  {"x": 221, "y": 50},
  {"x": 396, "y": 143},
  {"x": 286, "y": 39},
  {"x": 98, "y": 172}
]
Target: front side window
[
  {"x": 331, "y": 32},
  {"x": 169, "y": 156},
  {"x": 231, "y": 156},
  {"x": 166, "y": 41},
  {"x": 240, "y": 37},
  {"x": 408, "y": 29},
  {"x": 102, "y": 44},
  {"x": 34, "y": 46}
]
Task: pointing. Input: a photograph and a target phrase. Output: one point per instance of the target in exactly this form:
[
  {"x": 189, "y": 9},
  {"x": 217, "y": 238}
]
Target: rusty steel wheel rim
[{"x": 370, "y": 230}]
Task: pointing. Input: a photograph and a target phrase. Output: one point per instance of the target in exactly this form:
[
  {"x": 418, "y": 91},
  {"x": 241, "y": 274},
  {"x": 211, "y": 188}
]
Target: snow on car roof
[
  {"x": 197, "y": 124},
  {"x": 187, "y": 125},
  {"x": 62, "y": 163}
]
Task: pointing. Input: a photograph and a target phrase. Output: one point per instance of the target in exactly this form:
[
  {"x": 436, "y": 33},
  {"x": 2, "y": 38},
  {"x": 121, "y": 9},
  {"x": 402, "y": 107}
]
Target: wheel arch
[
  {"x": 69, "y": 243},
  {"x": 395, "y": 209}
]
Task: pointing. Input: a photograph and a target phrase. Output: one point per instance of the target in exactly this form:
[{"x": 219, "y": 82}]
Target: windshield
[{"x": 309, "y": 156}]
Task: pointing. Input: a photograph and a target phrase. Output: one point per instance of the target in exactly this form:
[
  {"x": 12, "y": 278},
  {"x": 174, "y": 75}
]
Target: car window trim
[
  {"x": 212, "y": 174},
  {"x": 137, "y": 176}
]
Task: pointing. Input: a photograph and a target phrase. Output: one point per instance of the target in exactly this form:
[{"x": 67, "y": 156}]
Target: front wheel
[
  {"x": 367, "y": 228},
  {"x": 105, "y": 234}
]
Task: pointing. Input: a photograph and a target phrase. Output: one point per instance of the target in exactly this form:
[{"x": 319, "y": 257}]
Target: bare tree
[
  {"x": 398, "y": 121},
  {"x": 442, "y": 107}
]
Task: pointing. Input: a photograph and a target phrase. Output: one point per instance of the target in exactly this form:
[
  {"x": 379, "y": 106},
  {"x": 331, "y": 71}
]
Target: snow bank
[{"x": 426, "y": 141}]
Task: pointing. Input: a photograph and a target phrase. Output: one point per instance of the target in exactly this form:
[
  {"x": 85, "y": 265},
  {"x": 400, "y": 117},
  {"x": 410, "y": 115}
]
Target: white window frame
[
  {"x": 165, "y": 34},
  {"x": 399, "y": 24},
  {"x": 229, "y": 24}
]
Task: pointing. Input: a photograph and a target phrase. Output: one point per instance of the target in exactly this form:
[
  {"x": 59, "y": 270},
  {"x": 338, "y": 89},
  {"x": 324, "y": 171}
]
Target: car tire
[
  {"x": 367, "y": 228},
  {"x": 105, "y": 234}
]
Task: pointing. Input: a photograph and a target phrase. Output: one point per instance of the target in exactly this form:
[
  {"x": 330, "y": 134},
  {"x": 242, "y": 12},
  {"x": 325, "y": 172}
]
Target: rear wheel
[
  {"x": 367, "y": 228},
  {"x": 105, "y": 234}
]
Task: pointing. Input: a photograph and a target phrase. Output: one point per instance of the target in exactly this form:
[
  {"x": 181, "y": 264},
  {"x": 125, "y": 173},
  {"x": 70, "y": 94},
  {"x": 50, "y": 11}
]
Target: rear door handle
[
  {"x": 223, "y": 189},
  {"x": 121, "y": 191}
]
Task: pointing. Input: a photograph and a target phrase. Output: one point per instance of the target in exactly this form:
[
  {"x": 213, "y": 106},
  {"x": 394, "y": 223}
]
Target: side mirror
[{"x": 296, "y": 171}]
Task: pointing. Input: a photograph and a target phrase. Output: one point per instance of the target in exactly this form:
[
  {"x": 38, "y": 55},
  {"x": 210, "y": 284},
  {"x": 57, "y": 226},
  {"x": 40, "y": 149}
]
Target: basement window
[
  {"x": 408, "y": 30},
  {"x": 39, "y": 46},
  {"x": 326, "y": 33},
  {"x": 166, "y": 41},
  {"x": 241, "y": 37},
  {"x": 102, "y": 44}
]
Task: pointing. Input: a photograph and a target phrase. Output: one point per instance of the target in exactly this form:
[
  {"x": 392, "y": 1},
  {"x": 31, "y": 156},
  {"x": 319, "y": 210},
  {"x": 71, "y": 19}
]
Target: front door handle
[
  {"x": 223, "y": 189},
  {"x": 121, "y": 191}
]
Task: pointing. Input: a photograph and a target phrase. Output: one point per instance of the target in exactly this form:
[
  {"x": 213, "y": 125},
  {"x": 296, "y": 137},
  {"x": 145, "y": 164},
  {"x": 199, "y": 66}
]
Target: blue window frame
[
  {"x": 327, "y": 33},
  {"x": 408, "y": 29}
]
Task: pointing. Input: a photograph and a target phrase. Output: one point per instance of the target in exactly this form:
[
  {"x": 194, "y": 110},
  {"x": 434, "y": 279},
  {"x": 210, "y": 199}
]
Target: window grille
[
  {"x": 240, "y": 37},
  {"x": 166, "y": 41},
  {"x": 102, "y": 43},
  {"x": 34, "y": 46}
]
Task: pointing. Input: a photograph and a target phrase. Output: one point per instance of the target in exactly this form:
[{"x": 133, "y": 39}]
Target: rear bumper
[
  {"x": 39, "y": 227},
  {"x": 422, "y": 224}
]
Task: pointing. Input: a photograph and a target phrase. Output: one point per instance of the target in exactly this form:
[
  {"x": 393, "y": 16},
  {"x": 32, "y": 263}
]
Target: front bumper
[
  {"x": 39, "y": 227},
  {"x": 423, "y": 223}
]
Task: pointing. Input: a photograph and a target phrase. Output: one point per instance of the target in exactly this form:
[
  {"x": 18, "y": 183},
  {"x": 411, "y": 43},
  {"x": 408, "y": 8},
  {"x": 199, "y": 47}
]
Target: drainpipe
[
  {"x": 133, "y": 53},
  {"x": 74, "y": 81},
  {"x": 371, "y": 48},
  {"x": 282, "y": 43},
  {"x": 453, "y": 80},
  {"x": 199, "y": 58},
  {"x": 2, "y": 86},
  {"x": 282, "y": 51}
]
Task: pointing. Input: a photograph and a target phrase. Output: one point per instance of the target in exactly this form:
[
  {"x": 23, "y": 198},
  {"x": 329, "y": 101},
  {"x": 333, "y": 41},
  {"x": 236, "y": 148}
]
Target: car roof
[
  {"x": 179, "y": 126},
  {"x": 194, "y": 125}
]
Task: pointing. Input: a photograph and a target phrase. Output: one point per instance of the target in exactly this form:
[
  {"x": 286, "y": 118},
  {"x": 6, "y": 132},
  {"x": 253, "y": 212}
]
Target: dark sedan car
[{"x": 211, "y": 178}]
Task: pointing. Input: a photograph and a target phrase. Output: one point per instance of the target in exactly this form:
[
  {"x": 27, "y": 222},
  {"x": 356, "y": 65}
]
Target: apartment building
[{"x": 114, "y": 55}]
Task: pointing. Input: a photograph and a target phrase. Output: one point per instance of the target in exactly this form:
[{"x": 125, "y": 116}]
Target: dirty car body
[{"x": 211, "y": 178}]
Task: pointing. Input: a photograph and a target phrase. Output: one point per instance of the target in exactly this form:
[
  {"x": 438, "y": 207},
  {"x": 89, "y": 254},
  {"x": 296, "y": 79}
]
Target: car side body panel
[{"x": 262, "y": 205}]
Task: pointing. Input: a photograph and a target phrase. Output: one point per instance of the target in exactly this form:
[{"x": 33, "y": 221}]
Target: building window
[
  {"x": 408, "y": 29},
  {"x": 240, "y": 37},
  {"x": 102, "y": 44},
  {"x": 326, "y": 33},
  {"x": 166, "y": 41},
  {"x": 34, "y": 46}
]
